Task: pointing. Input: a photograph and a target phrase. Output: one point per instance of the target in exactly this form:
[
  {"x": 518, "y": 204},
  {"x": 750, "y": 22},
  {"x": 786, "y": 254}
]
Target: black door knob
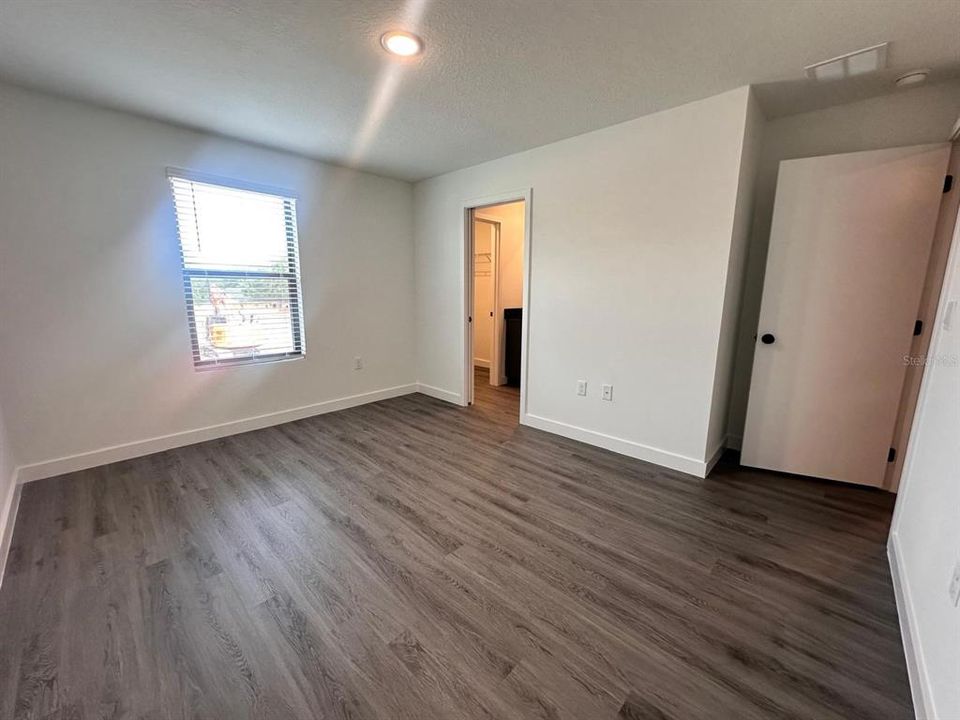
[{"x": 768, "y": 339}]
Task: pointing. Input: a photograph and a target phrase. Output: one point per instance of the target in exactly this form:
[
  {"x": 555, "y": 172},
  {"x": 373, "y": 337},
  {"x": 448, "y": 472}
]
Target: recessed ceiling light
[
  {"x": 404, "y": 44},
  {"x": 857, "y": 62},
  {"x": 914, "y": 77}
]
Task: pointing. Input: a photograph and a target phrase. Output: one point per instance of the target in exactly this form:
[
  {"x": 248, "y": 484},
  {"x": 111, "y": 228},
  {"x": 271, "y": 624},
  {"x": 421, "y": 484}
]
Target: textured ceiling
[{"x": 497, "y": 77}]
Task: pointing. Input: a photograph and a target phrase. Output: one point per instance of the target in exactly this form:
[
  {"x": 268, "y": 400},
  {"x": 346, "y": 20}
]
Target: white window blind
[{"x": 241, "y": 272}]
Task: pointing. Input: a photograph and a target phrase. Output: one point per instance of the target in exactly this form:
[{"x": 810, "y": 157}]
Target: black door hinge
[
  {"x": 918, "y": 328},
  {"x": 947, "y": 183},
  {"x": 892, "y": 455}
]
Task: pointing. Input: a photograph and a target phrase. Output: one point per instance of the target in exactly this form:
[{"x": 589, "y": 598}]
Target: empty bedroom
[{"x": 448, "y": 359}]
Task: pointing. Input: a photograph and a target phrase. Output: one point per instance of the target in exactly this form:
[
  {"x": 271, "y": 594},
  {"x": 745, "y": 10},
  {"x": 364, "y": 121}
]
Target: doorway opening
[{"x": 496, "y": 240}]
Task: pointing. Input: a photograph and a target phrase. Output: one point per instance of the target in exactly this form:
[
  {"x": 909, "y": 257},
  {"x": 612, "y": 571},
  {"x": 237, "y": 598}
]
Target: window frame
[{"x": 291, "y": 274}]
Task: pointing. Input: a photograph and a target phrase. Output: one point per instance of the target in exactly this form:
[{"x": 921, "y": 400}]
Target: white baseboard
[
  {"x": 477, "y": 362},
  {"x": 735, "y": 442},
  {"x": 8, "y": 515},
  {"x": 115, "y": 453},
  {"x": 916, "y": 668},
  {"x": 689, "y": 465},
  {"x": 715, "y": 457},
  {"x": 440, "y": 393}
]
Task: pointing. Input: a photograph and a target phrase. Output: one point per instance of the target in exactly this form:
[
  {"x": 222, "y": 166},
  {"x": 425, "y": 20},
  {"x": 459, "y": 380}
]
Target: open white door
[{"x": 849, "y": 248}]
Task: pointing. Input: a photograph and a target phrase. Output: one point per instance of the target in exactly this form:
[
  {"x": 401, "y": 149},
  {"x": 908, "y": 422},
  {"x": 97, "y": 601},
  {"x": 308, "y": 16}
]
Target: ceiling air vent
[{"x": 858, "y": 62}]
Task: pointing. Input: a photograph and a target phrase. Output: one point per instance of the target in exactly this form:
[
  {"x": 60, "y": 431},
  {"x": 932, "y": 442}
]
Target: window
[{"x": 241, "y": 271}]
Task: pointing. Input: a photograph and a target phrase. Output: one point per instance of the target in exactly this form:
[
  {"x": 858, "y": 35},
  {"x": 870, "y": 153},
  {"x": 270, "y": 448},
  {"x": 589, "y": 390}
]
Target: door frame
[
  {"x": 947, "y": 221},
  {"x": 467, "y": 209},
  {"x": 496, "y": 349}
]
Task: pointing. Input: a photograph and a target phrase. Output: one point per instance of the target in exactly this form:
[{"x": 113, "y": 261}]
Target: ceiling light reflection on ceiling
[{"x": 404, "y": 44}]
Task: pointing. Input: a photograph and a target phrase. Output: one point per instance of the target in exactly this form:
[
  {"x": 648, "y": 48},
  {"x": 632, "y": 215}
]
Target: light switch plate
[
  {"x": 581, "y": 387},
  {"x": 955, "y": 584},
  {"x": 606, "y": 392},
  {"x": 948, "y": 315}
]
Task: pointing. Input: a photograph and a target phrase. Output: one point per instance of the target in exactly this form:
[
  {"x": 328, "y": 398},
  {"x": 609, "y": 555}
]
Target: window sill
[{"x": 246, "y": 362}]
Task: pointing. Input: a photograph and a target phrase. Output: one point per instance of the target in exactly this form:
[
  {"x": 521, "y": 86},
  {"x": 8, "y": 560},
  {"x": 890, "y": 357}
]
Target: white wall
[
  {"x": 7, "y": 490},
  {"x": 910, "y": 117},
  {"x": 630, "y": 252},
  {"x": 736, "y": 268},
  {"x": 510, "y": 216},
  {"x": 925, "y": 536},
  {"x": 94, "y": 333}
]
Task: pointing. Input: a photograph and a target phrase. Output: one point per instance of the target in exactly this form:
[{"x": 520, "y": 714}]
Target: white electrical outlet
[
  {"x": 606, "y": 392},
  {"x": 955, "y": 584},
  {"x": 581, "y": 387},
  {"x": 358, "y": 363}
]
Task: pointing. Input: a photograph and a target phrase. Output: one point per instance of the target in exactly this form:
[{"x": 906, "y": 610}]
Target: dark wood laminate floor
[{"x": 411, "y": 559}]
